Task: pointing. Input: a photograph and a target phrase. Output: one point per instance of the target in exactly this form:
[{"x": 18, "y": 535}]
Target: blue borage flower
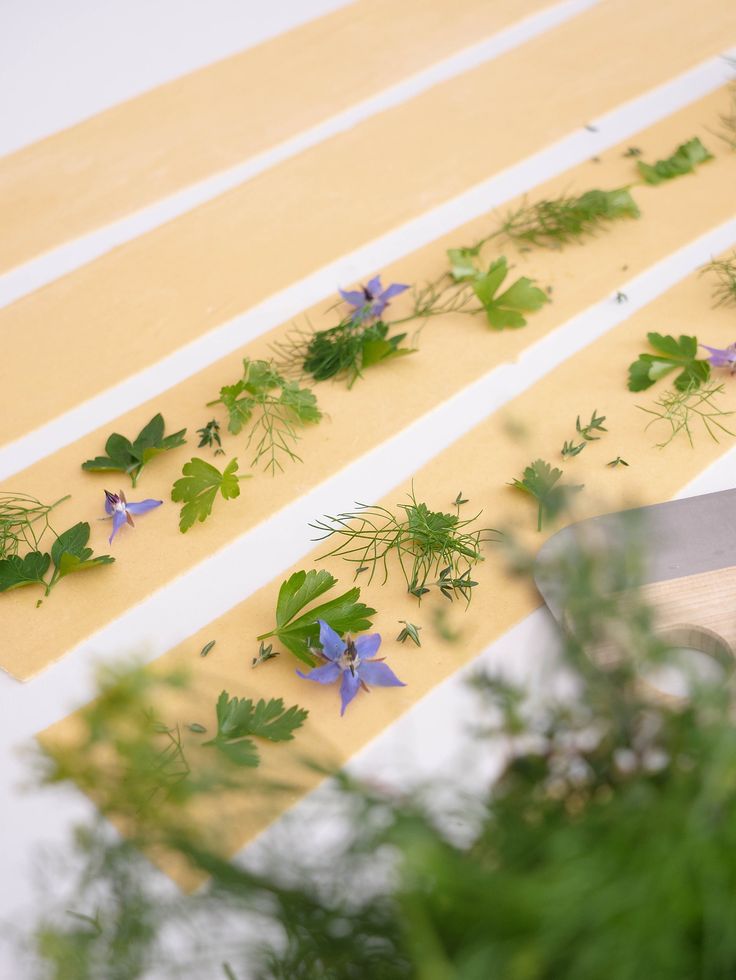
[
  {"x": 371, "y": 300},
  {"x": 352, "y": 660},
  {"x": 722, "y": 356},
  {"x": 120, "y": 510}
]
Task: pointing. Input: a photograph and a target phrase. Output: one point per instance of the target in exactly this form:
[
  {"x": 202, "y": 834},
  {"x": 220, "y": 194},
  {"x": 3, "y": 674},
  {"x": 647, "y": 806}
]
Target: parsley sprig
[
  {"x": 297, "y": 629},
  {"x": 671, "y": 354},
  {"x": 69, "y": 554},
  {"x": 198, "y": 487},
  {"x": 124, "y": 456},
  {"x": 541, "y": 481},
  {"x": 239, "y": 721}
]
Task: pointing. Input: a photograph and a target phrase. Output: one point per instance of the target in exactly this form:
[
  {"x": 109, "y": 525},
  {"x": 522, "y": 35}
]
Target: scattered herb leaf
[
  {"x": 209, "y": 435},
  {"x": 124, "y": 456},
  {"x": 206, "y": 648},
  {"x": 264, "y": 653},
  {"x": 672, "y": 354},
  {"x": 198, "y": 487},
  {"x": 618, "y": 461}
]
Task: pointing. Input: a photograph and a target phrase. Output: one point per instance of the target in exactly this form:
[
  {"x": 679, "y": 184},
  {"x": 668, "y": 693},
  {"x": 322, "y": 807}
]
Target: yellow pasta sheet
[
  {"x": 152, "y": 296},
  {"x": 454, "y": 351}
]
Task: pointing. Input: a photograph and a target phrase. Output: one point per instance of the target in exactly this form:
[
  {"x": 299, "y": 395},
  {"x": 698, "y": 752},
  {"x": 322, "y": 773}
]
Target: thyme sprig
[
  {"x": 585, "y": 433},
  {"x": 724, "y": 270},
  {"x": 433, "y": 548},
  {"x": 681, "y": 409},
  {"x": 23, "y": 522}
]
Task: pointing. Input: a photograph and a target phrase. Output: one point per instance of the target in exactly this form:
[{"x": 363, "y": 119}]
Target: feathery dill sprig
[
  {"x": 23, "y": 522},
  {"x": 727, "y": 120},
  {"x": 554, "y": 222},
  {"x": 432, "y": 547},
  {"x": 681, "y": 409},
  {"x": 274, "y": 409},
  {"x": 344, "y": 350},
  {"x": 724, "y": 270}
]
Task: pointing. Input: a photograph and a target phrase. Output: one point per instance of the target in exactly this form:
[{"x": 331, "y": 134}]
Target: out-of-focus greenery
[{"x": 605, "y": 850}]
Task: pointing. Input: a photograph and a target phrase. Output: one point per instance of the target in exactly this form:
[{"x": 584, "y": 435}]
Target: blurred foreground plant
[{"x": 606, "y": 847}]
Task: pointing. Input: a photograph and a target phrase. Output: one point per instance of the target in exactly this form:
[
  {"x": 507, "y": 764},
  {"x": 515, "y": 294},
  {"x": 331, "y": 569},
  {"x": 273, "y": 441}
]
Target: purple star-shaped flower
[
  {"x": 722, "y": 356},
  {"x": 371, "y": 300},
  {"x": 352, "y": 660},
  {"x": 121, "y": 511}
]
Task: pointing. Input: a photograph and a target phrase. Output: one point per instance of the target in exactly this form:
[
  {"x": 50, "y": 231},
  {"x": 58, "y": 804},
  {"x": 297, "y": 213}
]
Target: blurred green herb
[
  {"x": 683, "y": 161},
  {"x": 124, "y": 456},
  {"x": 555, "y": 222},
  {"x": 724, "y": 270},
  {"x": 506, "y": 309},
  {"x": 727, "y": 132},
  {"x": 273, "y": 408},
  {"x": 199, "y": 486},
  {"x": 299, "y": 630},
  {"x": 239, "y": 721},
  {"x": 618, "y": 461},
  {"x": 206, "y": 648},
  {"x": 672, "y": 354},
  {"x": 541, "y": 481},
  {"x": 681, "y": 409}
]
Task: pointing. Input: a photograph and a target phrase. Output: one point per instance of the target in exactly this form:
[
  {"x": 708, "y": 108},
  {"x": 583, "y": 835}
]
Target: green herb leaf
[
  {"x": 124, "y": 456},
  {"x": 70, "y": 554},
  {"x": 672, "y": 354},
  {"x": 540, "y": 480},
  {"x": 239, "y": 721},
  {"x": 16, "y": 572},
  {"x": 554, "y": 222},
  {"x": 683, "y": 161},
  {"x": 198, "y": 488},
  {"x": 344, "y": 613},
  {"x": 506, "y": 309}
]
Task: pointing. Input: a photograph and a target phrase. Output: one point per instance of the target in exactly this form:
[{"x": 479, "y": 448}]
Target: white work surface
[{"x": 60, "y": 63}]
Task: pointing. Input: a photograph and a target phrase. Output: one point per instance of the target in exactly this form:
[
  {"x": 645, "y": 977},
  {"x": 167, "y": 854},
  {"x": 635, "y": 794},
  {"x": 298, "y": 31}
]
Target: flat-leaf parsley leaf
[{"x": 199, "y": 486}]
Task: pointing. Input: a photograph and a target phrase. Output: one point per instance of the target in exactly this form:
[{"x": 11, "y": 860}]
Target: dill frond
[
  {"x": 554, "y": 222},
  {"x": 432, "y": 547},
  {"x": 272, "y": 408},
  {"x": 23, "y": 522},
  {"x": 724, "y": 270},
  {"x": 680, "y": 410}
]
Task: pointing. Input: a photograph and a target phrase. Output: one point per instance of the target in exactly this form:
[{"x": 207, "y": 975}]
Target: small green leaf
[
  {"x": 198, "y": 487},
  {"x": 206, "y": 648}
]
